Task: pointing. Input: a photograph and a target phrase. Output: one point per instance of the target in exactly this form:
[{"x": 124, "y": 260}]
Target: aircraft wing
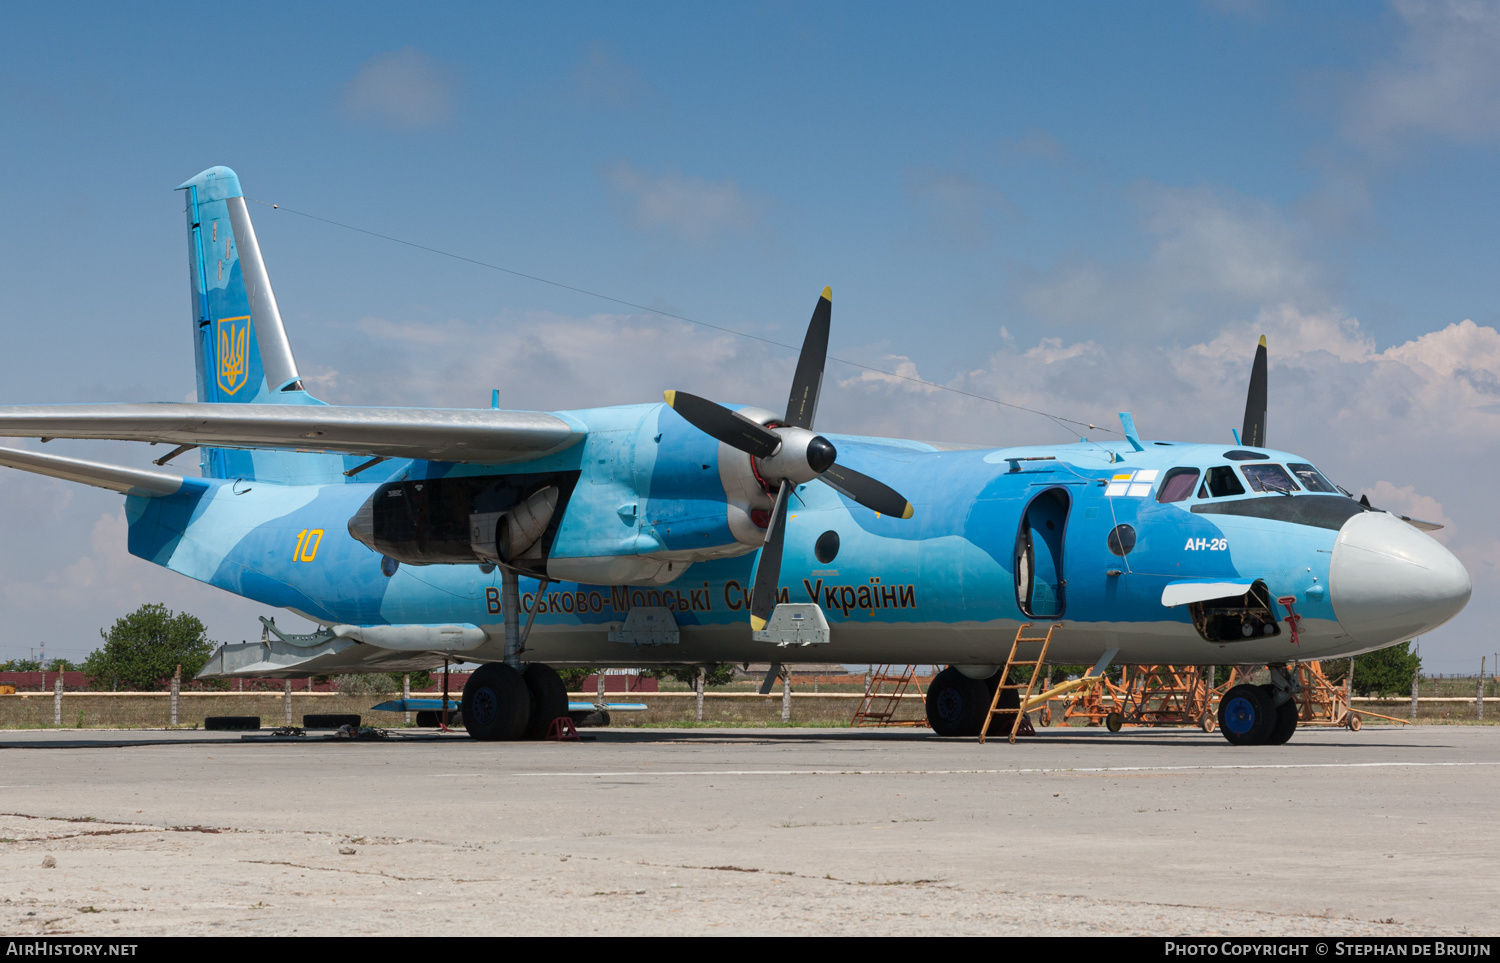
[{"x": 475, "y": 435}]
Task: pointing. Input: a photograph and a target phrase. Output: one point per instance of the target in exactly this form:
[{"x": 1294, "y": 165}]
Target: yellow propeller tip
[
  {"x": 909, "y": 511},
  {"x": 828, "y": 294},
  {"x": 671, "y": 397},
  {"x": 757, "y": 623},
  {"x": 1262, "y": 341}
]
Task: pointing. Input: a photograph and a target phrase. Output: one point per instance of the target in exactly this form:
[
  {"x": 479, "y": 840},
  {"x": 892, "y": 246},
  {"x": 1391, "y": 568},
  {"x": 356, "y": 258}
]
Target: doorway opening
[{"x": 1040, "y": 585}]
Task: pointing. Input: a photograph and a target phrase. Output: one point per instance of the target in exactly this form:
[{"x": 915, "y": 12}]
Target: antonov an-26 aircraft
[{"x": 689, "y": 532}]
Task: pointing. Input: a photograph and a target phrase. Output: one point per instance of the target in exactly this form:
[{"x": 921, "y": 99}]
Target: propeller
[
  {"x": 788, "y": 453},
  {"x": 1253, "y": 433}
]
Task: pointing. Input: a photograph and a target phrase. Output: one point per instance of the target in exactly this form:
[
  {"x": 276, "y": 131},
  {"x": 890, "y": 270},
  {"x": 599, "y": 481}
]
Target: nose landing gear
[{"x": 1260, "y": 715}]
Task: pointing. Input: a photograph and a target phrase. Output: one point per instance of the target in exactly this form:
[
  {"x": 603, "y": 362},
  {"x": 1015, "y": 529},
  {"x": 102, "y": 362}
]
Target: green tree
[
  {"x": 573, "y": 676},
  {"x": 719, "y": 673},
  {"x": 21, "y": 665},
  {"x": 1386, "y": 671},
  {"x": 144, "y": 648}
]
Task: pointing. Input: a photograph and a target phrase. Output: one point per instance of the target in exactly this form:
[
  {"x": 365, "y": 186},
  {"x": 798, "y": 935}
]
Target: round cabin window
[
  {"x": 827, "y": 546},
  {"x": 1121, "y": 540}
]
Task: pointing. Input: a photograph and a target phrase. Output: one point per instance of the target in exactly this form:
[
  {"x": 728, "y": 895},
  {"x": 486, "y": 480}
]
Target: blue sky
[{"x": 1081, "y": 208}]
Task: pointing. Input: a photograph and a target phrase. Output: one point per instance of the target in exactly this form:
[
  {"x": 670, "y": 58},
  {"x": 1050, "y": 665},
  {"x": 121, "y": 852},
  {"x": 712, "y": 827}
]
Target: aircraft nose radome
[{"x": 1389, "y": 582}]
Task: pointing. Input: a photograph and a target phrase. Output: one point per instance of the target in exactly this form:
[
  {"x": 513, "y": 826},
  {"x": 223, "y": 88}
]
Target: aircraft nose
[{"x": 1389, "y": 581}]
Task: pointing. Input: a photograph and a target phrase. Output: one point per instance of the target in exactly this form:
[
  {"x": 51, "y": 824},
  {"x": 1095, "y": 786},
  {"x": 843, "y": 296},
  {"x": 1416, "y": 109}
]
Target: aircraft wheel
[
  {"x": 1285, "y": 724},
  {"x": 956, "y": 704},
  {"x": 496, "y": 703},
  {"x": 549, "y": 699},
  {"x": 1246, "y": 715}
]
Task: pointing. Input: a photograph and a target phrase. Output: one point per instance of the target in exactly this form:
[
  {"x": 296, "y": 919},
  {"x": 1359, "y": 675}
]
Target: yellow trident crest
[{"x": 233, "y": 353}]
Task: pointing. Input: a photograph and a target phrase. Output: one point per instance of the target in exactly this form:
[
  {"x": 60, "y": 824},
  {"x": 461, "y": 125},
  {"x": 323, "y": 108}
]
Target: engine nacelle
[{"x": 465, "y": 520}]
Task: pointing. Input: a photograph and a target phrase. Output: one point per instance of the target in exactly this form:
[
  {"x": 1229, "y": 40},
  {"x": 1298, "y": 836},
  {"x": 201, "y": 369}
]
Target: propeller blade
[
  {"x": 1253, "y": 434},
  {"x": 719, "y": 422},
  {"x": 807, "y": 383},
  {"x": 874, "y": 495},
  {"x": 768, "y": 567}
]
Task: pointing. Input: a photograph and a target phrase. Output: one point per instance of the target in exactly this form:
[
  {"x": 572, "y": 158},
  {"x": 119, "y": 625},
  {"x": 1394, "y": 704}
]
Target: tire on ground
[
  {"x": 590, "y": 719},
  {"x": 1284, "y": 724},
  {"x": 549, "y": 699},
  {"x": 225, "y": 723},
  {"x": 330, "y": 720},
  {"x": 956, "y": 704},
  {"x": 496, "y": 703},
  {"x": 432, "y": 718},
  {"x": 1246, "y": 715}
]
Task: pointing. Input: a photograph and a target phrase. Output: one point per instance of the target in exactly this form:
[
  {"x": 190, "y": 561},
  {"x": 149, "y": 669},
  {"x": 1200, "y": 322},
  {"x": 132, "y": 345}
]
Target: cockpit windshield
[
  {"x": 1222, "y": 482},
  {"x": 1269, "y": 477},
  {"x": 1178, "y": 485},
  {"x": 1311, "y": 478}
]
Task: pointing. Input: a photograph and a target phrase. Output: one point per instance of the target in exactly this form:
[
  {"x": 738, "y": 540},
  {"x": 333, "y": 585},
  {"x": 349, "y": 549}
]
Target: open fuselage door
[{"x": 1040, "y": 585}]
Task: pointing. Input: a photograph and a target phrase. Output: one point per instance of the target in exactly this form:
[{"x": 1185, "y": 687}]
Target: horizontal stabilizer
[
  {"x": 128, "y": 481},
  {"x": 476, "y": 436}
]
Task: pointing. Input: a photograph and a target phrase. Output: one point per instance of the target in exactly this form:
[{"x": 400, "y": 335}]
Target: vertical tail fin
[
  {"x": 240, "y": 347},
  {"x": 242, "y": 350}
]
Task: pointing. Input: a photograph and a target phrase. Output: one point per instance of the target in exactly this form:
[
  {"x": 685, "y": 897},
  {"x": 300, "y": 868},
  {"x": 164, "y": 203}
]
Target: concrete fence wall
[{"x": 153, "y": 709}]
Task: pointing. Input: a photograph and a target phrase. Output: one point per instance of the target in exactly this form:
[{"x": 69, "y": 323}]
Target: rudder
[{"x": 242, "y": 350}]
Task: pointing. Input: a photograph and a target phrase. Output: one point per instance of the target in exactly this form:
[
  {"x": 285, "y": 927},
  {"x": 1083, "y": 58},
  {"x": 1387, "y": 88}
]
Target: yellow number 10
[{"x": 307, "y": 544}]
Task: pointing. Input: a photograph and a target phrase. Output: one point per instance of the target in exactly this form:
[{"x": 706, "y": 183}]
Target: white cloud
[
  {"x": 690, "y": 207},
  {"x": 402, "y": 89},
  {"x": 1213, "y": 254},
  {"x": 957, "y": 207},
  {"x": 1445, "y": 81},
  {"x": 601, "y": 79}
]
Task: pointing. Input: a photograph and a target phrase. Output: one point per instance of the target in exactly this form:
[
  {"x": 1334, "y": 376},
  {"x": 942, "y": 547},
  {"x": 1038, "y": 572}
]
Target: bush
[
  {"x": 719, "y": 673},
  {"x": 142, "y": 649},
  {"x": 1386, "y": 671}
]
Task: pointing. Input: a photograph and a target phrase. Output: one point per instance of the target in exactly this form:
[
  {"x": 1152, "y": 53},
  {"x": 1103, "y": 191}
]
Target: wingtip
[
  {"x": 828, "y": 294},
  {"x": 671, "y": 397}
]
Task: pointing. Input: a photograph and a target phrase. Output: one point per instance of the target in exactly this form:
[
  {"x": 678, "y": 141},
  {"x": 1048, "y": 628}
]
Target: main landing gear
[
  {"x": 1260, "y": 715},
  {"x": 503, "y": 704},
  {"x": 957, "y": 704}
]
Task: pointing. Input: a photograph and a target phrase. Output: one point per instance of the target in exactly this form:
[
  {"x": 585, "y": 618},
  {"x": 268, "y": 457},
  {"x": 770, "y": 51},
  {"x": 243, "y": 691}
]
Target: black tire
[
  {"x": 1284, "y": 725},
  {"x": 1246, "y": 715},
  {"x": 592, "y": 719},
  {"x": 956, "y": 704},
  {"x": 227, "y": 723},
  {"x": 433, "y": 718},
  {"x": 549, "y": 699},
  {"x": 496, "y": 703},
  {"x": 331, "y": 720}
]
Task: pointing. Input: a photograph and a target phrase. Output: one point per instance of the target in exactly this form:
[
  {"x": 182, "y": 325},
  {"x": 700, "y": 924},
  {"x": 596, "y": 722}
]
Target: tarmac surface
[{"x": 1383, "y": 832}]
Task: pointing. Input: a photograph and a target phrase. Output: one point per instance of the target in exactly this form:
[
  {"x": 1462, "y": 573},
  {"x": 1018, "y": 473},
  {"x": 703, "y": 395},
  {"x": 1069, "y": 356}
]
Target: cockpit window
[
  {"x": 1222, "y": 481},
  {"x": 1178, "y": 485},
  {"x": 1311, "y": 478},
  {"x": 1269, "y": 477}
]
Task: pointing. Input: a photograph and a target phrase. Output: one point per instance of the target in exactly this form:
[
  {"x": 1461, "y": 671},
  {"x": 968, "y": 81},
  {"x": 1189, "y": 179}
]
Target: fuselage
[{"x": 1089, "y": 535}]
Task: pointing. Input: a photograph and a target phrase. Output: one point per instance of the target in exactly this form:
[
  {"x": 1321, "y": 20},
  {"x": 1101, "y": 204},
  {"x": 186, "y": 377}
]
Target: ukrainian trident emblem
[{"x": 233, "y": 353}]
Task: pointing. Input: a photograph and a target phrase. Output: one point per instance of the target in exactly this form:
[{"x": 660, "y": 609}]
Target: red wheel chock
[{"x": 562, "y": 730}]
